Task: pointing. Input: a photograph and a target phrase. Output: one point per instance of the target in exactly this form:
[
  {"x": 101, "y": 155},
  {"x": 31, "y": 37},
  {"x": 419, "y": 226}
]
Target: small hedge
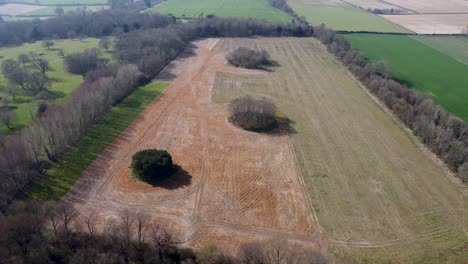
[
  {"x": 253, "y": 114},
  {"x": 152, "y": 165},
  {"x": 247, "y": 58}
]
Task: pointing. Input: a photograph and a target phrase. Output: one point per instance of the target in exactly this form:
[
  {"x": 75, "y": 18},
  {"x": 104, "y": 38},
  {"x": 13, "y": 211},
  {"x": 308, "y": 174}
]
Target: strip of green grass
[
  {"x": 259, "y": 9},
  {"x": 419, "y": 66},
  {"x": 62, "y": 175}
]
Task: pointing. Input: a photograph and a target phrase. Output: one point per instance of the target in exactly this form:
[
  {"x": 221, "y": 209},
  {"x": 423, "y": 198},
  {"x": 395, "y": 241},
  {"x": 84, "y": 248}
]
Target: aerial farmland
[{"x": 234, "y": 131}]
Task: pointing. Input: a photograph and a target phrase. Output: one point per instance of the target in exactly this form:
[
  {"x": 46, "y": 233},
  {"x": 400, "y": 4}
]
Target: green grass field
[
  {"x": 50, "y": 11},
  {"x": 342, "y": 16},
  {"x": 62, "y": 82},
  {"x": 259, "y": 9},
  {"x": 63, "y": 174},
  {"x": 454, "y": 46},
  {"x": 59, "y": 2},
  {"x": 438, "y": 75}
]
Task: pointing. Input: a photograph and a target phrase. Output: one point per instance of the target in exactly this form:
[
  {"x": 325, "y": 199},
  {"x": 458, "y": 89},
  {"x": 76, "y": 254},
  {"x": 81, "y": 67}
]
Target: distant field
[
  {"x": 63, "y": 83},
  {"x": 372, "y": 4},
  {"x": 438, "y": 75},
  {"x": 17, "y": 9},
  {"x": 377, "y": 197},
  {"x": 259, "y": 9},
  {"x": 432, "y": 23},
  {"x": 50, "y": 11},
  {"x": 59, "y": 2},
  {"x": 454, "y": 46},
  {"x": 341, "y": 16},
  {"x": 432, "y": 6},
  {"x": 63, "y": 174}
]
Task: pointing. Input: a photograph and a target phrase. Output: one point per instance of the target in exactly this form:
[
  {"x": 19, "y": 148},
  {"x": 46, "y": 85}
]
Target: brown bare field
[
  {"x": 379, "y": 196},
  {"x": 18, "y": 9},
  {"x": 233, "y": 186},
  {"x": 432, "y": 6},
  {"x": 432, "y": 24}
]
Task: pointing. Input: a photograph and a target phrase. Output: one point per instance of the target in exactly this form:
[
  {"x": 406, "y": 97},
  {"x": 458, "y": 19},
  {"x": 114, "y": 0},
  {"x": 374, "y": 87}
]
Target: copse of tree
[
  {"x": 7, "y": 117},
  {"x": 47, "y": 43},
  {"x": 82, "y": 63},
  {"x": 253, "y": 114},
  {"x": 247, "y": 58},
  {"x": 445, "y": 134},
  {"x": 152, "y": 165}
]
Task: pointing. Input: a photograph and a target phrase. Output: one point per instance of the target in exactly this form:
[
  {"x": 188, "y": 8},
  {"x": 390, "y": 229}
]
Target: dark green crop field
[{"x": 421, "y": 67}]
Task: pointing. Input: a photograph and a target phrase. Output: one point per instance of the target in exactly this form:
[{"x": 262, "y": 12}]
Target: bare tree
[
  {"x": 42, "y": 65},
  {"x": 7, "y": 117},
  {"x": 23, "y": 59},
  {"x": 253, "y": 114},
  {"x": 247, "y": 58},
  {"x": 12, "y": 90},
  {"x": 66, "y": 214},
  {"x": 105, "y": 43},
  {"x": 47, "y": 43}
]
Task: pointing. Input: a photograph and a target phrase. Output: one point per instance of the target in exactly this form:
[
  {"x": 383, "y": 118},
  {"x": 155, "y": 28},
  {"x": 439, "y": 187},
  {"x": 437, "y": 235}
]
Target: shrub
[
  {"x": 247, "y": 58},
  {"x": 253, "y": 114},
  {"x": 152, "y": 165}
]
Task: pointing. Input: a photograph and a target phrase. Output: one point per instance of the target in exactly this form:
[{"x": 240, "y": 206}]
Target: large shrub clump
[
  {"x": 247, "y": 58},
  {"x": 152, "y": 165},
  {"x": 253, "y": 114}
]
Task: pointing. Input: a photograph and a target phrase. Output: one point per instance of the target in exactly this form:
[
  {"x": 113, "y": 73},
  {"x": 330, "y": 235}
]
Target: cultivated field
[
  {"x": 233, "y": 186},
  {"x": 342, "y": 16},
  {"x": 62, "y": 84},
  {"x": 375, "y": 4},
  {"x": 259, "y": 9},
  {"x": 420, "y": 66},
  {"x": 454, "y": 46},
  {"x": 17, "y": 9},
  {"x": 433, "y": 23},
  {"x": 377, "y": 193},
  {"x": 432, "y": 6}
]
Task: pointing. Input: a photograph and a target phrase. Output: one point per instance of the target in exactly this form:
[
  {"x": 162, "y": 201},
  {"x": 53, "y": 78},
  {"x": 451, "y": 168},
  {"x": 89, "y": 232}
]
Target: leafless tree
[
  {"x": 42, "y": 65},
  {"x": 7, "y": 117},
  {"x": 105, "y": 43},
  {"x": 48, "y": 43},
  {"x": 12, "y": 90},
  {"x": 253, "y": 114},
  {"x": 23, "y": 59},
  {"x": 247, "y": 58}
]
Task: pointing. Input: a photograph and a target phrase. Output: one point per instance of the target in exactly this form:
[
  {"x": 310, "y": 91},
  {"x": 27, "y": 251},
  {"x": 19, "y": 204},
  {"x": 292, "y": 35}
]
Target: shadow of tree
[{"x": 181, "y": 178}]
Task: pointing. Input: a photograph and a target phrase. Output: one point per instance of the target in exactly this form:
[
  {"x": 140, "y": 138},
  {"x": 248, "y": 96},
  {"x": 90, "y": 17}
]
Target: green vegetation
[
  {"x": 59, "y": 2},
  {"x": 419, "y": 66},
  {"x": 63, "y": 83},
  {"x": 454, "y": 46},
  {"x": 63, "y": 174},
  {"x": 152, "y": 165},
  {"x": 259, "y": 9},
  {"x": 341, "y": 16}
]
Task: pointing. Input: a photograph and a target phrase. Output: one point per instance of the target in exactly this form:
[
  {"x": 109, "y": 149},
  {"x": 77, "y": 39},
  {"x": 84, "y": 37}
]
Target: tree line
[
  {"x": 445, "y": 134},
  {"x": 35, "y": 232},
  {"x": 141, "y": 55},
  {"x": 80, "y": 24}
]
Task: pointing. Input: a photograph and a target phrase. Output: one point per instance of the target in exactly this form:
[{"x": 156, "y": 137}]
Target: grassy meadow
[
  {"x": 62, "y": 82},
  {"x": 59, "y": 2},
  {"x": 62, "y": 175},
  {"x": 259, "y": 9},
  {"x": 50, "y": 11},
  {"x": 342, "y": 16},
  {"x": 421, "y": 67}
]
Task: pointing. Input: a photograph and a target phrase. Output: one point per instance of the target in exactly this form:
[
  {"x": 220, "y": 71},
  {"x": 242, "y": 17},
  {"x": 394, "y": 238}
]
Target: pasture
[
  {"x": 50, "y": 11},
  {"x": 59, "y": 2},
  {"x": 454, "y": 46},
  {"x": 62, "y": 82},
  {"x": 339, "y": 15},
  {"x": 419, "y": 66},
  {"x": 378, "y": 196},
  {"x": 259, "y": 9}
]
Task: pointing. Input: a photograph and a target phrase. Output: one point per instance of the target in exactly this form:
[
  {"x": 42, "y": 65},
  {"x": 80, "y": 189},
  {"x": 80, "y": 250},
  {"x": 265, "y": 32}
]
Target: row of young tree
[
  {"x": 80, "y": 24},
  {"x": 25, "y": 155},
  {"x": 444, "y": 133},
  {"x": 48, "y": 233}
]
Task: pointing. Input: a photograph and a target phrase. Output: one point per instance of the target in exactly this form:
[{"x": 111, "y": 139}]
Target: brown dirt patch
[{"x": 233, "y": 182}]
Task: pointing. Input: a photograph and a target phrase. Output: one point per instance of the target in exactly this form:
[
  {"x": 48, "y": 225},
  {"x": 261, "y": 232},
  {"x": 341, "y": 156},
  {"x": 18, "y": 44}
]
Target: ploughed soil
[{"x": 233, "y": 186}]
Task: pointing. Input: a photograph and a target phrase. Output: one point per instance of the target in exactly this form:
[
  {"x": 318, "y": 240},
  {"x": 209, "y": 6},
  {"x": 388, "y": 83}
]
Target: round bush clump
[
  {"x": 152, "y": 165},
  {"x": 247, "y": 58},
  {"x": 253, "y": 114}
]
